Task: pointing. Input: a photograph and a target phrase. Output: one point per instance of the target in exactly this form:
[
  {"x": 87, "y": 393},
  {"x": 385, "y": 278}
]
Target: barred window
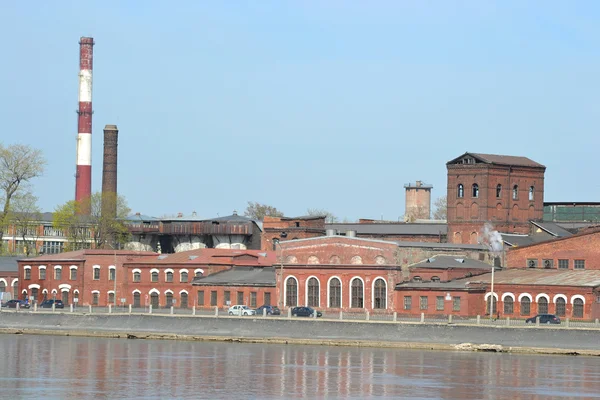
[
  {"x": 169, "y": 299},
  {"x": 291, "y": 292},
  {"x": 267, "y": 300},
  {"x": 561, "y": 307},
  {"x": 201, "y": 297},
  {"x": 579, "y": 264},
  {"x": 577, "y": 308},
  {"x": 542, "y": 305},
  {"x": 335, "y": 293},
  {"x": 137, "y": 303},
  {"x": 95, "y": 298},
  {"x": 357, "y": 293},
  {"x": 313, "y": 292},
  {"x": 563, "y": 264},
  {"x": 380, "y": 294},
  {"x": 525, "y": 306},
  {"x": 439, "y": 303},
  {"x": 240, "y": 297},
  {"x": 491, "y": 302},
  {"x": 456, "y": 303},
  {"x": 407, "y": 302},
  {"x": 184, "y": 300},
  {"x": 227, "y": 297},
  {"x": 423, "y": 303},
  {"x": 509, "y": 305},
  {"x": 253, "y": 299}
]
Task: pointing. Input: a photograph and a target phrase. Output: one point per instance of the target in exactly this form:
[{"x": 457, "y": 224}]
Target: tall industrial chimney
[
  {"x": 109, "y": 170},
  {"x": 83, "y": 180}
]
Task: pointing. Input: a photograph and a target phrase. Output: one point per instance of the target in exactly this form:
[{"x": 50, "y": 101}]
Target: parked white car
[{"x": 241, "y": 310}]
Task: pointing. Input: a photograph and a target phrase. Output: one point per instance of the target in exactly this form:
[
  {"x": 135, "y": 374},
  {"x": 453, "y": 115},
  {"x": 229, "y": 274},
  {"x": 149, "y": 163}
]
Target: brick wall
[
  {"x": 205, "y": 299},
  {"x": 471, "y": 303}
]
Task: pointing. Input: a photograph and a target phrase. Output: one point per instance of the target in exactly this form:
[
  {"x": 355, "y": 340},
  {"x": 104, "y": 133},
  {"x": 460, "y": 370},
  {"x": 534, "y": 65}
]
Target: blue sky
[{"x": 311, "y": 104}]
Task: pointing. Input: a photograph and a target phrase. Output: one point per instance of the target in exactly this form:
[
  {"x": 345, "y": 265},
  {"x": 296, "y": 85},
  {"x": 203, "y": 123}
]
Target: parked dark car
[
  {"x": 544, "y": 319},
  {"x": 271, "y": 310},
  {"x": 13, "y": 304},
  {"x": 48, "y": 304},
  {"x": 305, "y": 312}
]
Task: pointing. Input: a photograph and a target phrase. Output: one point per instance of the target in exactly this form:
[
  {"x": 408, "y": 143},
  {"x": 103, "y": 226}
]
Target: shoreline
[{"x": 132, "y": 335}]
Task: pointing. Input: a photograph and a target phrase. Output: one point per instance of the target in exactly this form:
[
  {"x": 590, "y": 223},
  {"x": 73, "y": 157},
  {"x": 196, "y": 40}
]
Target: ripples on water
[{"x": 53, "y": 367}]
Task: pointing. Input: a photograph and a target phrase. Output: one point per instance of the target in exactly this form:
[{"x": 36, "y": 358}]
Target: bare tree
[
  {"x": 25, "y": 216},
  {"x": 440, "y": 208},
  {"x": 415, "y": 213},
  {"x": 259, "y": 211},
  {"x": 316, "y": 212},
  {"x": 19, "y": 164}
]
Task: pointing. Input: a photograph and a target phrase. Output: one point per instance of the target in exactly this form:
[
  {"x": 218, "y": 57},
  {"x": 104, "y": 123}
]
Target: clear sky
[{"x": 298, "y": 104}]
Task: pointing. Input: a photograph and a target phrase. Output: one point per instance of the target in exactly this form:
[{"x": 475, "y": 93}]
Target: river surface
[{"x": 58, "y": 367}]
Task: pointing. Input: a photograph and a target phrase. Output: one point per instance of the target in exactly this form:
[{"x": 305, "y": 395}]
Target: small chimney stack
[{"x": 109, "y": 171}]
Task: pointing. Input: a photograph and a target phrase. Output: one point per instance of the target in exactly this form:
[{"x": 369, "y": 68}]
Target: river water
[{"x": 58, "y": 367}]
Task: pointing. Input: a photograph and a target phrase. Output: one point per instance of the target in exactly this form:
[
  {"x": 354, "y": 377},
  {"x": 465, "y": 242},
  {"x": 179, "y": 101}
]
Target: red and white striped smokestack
[{"x": 83, "y": 180}]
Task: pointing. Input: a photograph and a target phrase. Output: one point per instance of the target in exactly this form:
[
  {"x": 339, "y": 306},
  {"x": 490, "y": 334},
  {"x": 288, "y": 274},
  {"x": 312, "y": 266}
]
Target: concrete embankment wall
[{"x": 330, "y": 332}]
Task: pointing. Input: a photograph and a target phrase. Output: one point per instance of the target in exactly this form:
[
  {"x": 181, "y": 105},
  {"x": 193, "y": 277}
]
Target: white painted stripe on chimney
[
  {"x": 85, "y": 85},
  {"x": 84, "y": 149}
]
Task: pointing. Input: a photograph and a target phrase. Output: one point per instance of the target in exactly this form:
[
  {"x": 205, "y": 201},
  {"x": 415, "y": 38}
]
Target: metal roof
[
  {"x": 552, "y": 228},
  {"x": 537, "y": 276},
  {"x": 210, "y": 256},
  {"x": 8, "y": 264},
  {"x": 517, "y": 240},
  {"x": 398, "y": 228},
  {"x": 500, "y": 159},
  {"x": 239, "y": 276},
  {"x": 79, "y": 255},
  {"x": 460, "y": 284},
  {"x": 445, "y": 246},
  {"x": 448, "y": 262}
]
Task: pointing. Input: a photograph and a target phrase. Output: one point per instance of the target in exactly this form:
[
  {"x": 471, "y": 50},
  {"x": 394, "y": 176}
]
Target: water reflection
[{"x": 69, "y": 367}]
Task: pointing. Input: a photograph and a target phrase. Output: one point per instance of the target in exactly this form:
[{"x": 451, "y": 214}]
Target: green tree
[
  {"x": 259, "y": 211},
  {"x": 19, "y": 164}
]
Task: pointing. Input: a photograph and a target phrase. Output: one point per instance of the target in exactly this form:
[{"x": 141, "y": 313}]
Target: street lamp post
[
  {"x": 492, "y": 294},
  {"x": 281, "y": 300}
]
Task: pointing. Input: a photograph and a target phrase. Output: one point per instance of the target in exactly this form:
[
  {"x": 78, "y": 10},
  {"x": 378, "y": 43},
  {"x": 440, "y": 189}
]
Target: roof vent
[
  {"x": 430, "y": 260},
  {"x": 162, "y": 256},
  {"x": 460, "y": 260},
  {"x": 194, "y": 213},
  {"x": 234, "y": 212},
  {"x": 179, "y": 215},
  {"x": 193, "y": 257}
]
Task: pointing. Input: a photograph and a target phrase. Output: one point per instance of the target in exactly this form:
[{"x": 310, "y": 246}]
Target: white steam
[{"x": 492, "y": 238}]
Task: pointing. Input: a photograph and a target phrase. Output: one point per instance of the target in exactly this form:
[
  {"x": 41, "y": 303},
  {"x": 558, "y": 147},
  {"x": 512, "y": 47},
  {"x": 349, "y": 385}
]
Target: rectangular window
[
  {"x": 532, "y": 263},
  {"x": 96, "y": 273},
  {"x": 456, "y": 303},
  {"x": 42, "y": 273},
  {"x": 111, "y": 298},
  {"x": 73, "y": 274},
  {"x": 548, "y": 263},
  {"x": 439, "y": 303},
  {"x": 95, "y": 298},
  {"x": 201, "y": 297},
  {"x": 268, "y": 298},
  {"x": 407, "y": 302},
  {"x": 563, "y": 264},
  {"x": 240, "y": 297},
  {"x": 58, "y": 274},
  {"x": 137, "y": 276},
  {"x": 213, "y": 297},
  {"x": 227, "y": 297},
  {"x": 579, "y": 264},
  {"x": 111, "y": 274},
  {"x": 27, "y": 274},
  {"x": 423, "y": 303},
  {"x": 253, "y": 299}
]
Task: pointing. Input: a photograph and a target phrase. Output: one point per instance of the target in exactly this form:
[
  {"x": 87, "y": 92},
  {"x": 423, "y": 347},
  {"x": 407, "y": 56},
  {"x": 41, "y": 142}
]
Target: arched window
[
  {"x": 154, "y": 300},
  {"x": 525, "y": 306},
  {"x": 494, "y": 305},
  {"x": 154, "y": 276},
  {"x": 169, "y": 299},
  {"x": 2, "y": 287},
  {"x": 561, "y": 307},
  {"x": 136, "y": 300},
  {"x": 516, "y": 192},
  {"x": 508, "y": 305},
  {"x": 531, "y": 193},
  {"x": 198, "y": 273},
  {"x": 542, "y": 305},
  {"x": 417, "y": 279},
  {"x": 379, "y": 294},
  {"x": 475, "y": 190},
  {"x": 577, "y": 308},
  {"x": 291, "y": 292},
  {"x": 137, "y": 276},
  {"x": 16, "y": 289},
  {"x": 335, "y": 293},
  {"x": 498, "y": 190},
  {"x": 183, "y": 277},
  {"x": 184, "y": 300},
  {"x": 460, "y": 191},
  {"x": 169, "y": 276},
  {"x": 313, "y": 292},
  {"x": 357, "y": 293},
  {"x": 435, "y": 279}
]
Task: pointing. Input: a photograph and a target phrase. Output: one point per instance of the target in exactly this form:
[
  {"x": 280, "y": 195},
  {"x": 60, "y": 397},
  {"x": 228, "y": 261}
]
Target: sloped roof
[
  {"x": 8, "y": 264},
  {"x": 552, "y": 228},
  {"x": 81, "y": 255},
  {"x": 500, "y": 160},
  {"x": 399, "y": 228},
  {"x": 449, "y": 262},
  {"x": 517, "y": 240},
  {"x": 211, "y": 256},
  {"x": 239, "y": 276},
  {"x": 538, "y": 276}
]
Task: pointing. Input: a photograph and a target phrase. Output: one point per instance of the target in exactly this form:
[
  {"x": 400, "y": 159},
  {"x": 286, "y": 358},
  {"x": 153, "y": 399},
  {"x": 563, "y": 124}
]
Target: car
[
  {"x": 240, "y": 310},
  {"x": 13, "y": 304},
  {"x": 544, "y": 319},
  {"x": 48, "y": 304},
  {"x": 305, "y": 312},
  {"x": 271, "y": 310}
]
